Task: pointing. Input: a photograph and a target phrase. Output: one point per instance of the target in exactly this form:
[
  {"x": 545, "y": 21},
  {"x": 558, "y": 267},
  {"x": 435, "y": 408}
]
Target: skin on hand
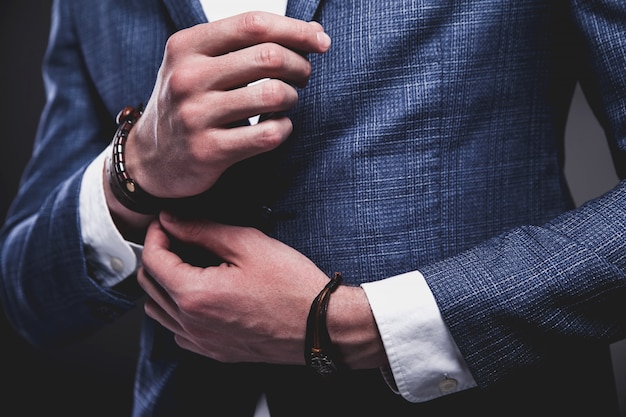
[
  {"x": 184, "y": 140},
  {"x": 252, "y": 307}
]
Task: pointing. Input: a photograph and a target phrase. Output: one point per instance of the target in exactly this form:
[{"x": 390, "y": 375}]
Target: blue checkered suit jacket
[{"x": 429, "y": 137}]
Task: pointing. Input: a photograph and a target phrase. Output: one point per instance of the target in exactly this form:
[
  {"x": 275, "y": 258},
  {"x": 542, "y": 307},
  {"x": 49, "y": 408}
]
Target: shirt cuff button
[
  {"x": 447, "y": 385},
  {"x": 116, "y": 264}
]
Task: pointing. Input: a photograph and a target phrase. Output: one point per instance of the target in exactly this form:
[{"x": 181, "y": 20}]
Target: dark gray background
[{"x": 94, "y": 377}]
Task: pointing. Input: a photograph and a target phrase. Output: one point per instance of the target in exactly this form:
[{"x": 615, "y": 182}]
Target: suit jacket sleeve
[
  {"x": 42, "y": 257},
  {"x": 538, "y": 290}
]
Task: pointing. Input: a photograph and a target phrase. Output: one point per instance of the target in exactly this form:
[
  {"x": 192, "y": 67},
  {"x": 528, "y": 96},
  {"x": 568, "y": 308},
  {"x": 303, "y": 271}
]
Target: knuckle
[
  {"x": 270, "y": 136},
  {"x": 185, "y": 115},
  {"x": 306, "y": 33},
  {"x": 213, "y": 148},
  {"x": 307, "y": 69},
  {"x": 147, "y": 308},
  {"x": 255, "y": 24},
  {"x": 197, "y": 154},
  {"x": 176, "y": 43},
  {"x": 275, "y": 94},
  {"x": 254, "y": 234},
  {"x": 186, "y": 118},
  {"x": 189, "y": 306},
  {"x": 270, "y": 56},
  {"x": 180, "y": 81},
  {"x": 180, "y": 341}
]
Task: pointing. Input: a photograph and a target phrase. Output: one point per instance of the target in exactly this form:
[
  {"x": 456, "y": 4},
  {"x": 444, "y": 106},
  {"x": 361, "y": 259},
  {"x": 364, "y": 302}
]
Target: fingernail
[{"x": 323, "y": 40}]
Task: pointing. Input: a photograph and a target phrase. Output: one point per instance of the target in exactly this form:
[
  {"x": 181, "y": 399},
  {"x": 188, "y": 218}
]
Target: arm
[
  {"x": 526, "y": 294},
  {"x": 215, "y": 310},
  {"x": 560, "y": 290},
  {"x": 43, "y": 266},
  {"x": 571, "y": 265},
  {"x": 47, "y": 290},
  {"x": 602, "y": 55}
]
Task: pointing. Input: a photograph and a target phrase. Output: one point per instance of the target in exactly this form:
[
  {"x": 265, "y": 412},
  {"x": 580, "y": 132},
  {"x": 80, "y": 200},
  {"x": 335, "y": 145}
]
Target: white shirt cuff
[
  {"x": 424, "y": 360},
  {"x": 110, "y": 258}
]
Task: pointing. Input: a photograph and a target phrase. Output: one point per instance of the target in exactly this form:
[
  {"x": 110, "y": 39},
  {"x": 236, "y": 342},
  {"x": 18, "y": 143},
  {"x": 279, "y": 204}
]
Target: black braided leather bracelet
[
  {"x": 320, "y": 353},
  {"x": 124, "y": 188}
]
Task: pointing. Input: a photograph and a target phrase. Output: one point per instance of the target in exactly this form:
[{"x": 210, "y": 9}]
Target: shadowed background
[{"x": 95, "y": 376}]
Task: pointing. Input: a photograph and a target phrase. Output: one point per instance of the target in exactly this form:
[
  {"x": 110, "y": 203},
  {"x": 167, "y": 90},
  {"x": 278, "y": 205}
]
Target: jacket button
[{"x": 266, "y": 212}]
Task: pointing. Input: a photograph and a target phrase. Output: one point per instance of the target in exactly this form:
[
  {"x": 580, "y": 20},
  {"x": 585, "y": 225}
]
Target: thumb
[{"x": 215, "y": 238}]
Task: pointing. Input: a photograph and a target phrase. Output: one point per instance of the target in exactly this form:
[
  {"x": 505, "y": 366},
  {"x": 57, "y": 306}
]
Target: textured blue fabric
[{"x": 429, "y": 137}]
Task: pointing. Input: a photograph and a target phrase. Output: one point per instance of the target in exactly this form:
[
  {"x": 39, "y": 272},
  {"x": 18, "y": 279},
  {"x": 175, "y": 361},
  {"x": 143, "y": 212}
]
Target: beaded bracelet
[
  {"x": 124, "y": 188},
  {"x": 320, "y": 353}
]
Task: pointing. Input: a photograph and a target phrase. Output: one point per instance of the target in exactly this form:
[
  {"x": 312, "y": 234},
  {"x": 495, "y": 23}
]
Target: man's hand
[
  {"x": 184, "y": 140},
  {"x": 253, "y": 307}
]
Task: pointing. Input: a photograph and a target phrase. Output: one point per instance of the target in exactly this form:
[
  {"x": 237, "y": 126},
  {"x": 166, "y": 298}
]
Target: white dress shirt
[{"x": 424, "y": 361}]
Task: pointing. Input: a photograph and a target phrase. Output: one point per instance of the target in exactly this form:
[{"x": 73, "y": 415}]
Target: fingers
[
  {"x": 155, "y": 311},
  {"x": 187, "y": 344},
  {"x": 247, "y": 141},
  {"x": 162, "y": 270},
  {"x": 166, "y": 317},
  {"x": 156, "y": 247},
  {"x": 251, "y": 28},
  {"x": 235, "y": 70},
  {"x": 227, "y": 107},
  {"x": 267, "y": 60},
  {"x": 225, "y": 241},
  {"x": 161, "y": 308},
  {"x": 181, "y": 145}
]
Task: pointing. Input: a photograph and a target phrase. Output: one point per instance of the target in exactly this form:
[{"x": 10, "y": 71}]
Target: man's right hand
[{"x": 183, "y": 143}]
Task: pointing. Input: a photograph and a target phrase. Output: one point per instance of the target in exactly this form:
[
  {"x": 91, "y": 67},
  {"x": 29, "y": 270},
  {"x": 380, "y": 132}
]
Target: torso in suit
[{"x": 429, "y": 137}]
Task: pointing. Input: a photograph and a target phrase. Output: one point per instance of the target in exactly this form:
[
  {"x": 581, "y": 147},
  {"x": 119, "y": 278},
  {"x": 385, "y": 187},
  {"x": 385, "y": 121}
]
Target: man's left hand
[{"x": 252, "y": 307}]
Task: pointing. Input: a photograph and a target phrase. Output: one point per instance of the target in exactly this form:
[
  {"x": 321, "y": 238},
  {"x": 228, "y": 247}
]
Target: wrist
[
  {"x": 320, "y": 353},
  {"x": 352, "y": 328},
  {"x": 132, "y": 225},
  {"x": 138, "y": 160},
  {"x": 122, "y": 184}
]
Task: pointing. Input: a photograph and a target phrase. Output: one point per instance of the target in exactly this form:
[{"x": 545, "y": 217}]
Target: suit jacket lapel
[
  {"x": 185, "y": 13},
  {"x": 302, "y": 9}
]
